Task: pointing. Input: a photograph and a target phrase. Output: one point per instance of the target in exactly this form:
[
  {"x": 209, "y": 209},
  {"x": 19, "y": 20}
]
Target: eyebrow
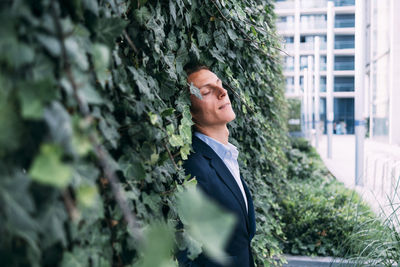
[{"x": 208, "y": 84}]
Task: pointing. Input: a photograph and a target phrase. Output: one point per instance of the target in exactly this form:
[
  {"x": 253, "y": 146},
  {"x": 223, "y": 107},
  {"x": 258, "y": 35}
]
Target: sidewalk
[{"x": 380, "y": 178}]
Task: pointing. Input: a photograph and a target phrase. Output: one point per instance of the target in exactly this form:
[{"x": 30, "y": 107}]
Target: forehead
[{"x": 202, "y": 77}]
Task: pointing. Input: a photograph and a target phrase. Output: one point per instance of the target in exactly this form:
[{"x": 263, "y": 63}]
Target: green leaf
[
  {"x": 216, "y": 54},
  {"x": 172, "y": 9},
  {"x": 167, "y": 112},
  {"x": 202, "y": 38},
  {"x": 158, "y": 248},
  {"x": 87, "y": 195},
  {"x": 132, "y": 168},
  {"x": 142, "y": 15},
  {"x": 206, "y": 222},
  {"x": 47, "y": 168},
  {"x": 51, "y": 43},
  {"x": 185, "y": 151},
  {"x": 176, "y": 140},
  {"x": 33, "y": 96},
  {"x": 71, "y": 260},
  {"x": 154, "y": 118},
  {"x": 195, "y": 91},
  {"x": 140, "y": 78},
  {"x": 92, "y": 6},
  {"x": 108, "y": 29},
  {"x": 90, "y": 95},
  {"x": 232, "y": 34},
  {"x": 101, "y": 61}
]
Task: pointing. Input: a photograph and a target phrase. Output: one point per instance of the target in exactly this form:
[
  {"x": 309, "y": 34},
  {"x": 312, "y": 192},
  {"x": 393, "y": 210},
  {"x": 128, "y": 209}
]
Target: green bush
[
  {"x": 294, "y": 113},
  {"x": 95, "y": 124},
  {"x": 318, "y": 212}
]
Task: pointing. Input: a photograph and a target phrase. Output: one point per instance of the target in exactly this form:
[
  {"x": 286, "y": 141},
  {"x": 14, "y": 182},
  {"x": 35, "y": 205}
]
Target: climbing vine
[{"x": 95, "y": 124}]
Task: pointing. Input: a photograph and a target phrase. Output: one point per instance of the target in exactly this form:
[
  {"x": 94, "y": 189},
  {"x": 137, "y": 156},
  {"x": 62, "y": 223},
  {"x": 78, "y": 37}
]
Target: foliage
[
  {"x": 95, "y": 123},
  {"x": 294, "y": 114},
  {"x": 377, "y": 241},
  {"x": 318, "y": 212}
]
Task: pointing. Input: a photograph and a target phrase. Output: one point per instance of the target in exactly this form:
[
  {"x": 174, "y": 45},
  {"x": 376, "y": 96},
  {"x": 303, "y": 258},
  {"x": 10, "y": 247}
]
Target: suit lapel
[
  {"x": 251, "y": 215},
  {"x": 223, "y": 172}
]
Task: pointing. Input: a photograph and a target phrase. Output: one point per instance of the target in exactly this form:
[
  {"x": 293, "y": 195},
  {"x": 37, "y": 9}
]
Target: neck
[{"x": 219, "y": 133}]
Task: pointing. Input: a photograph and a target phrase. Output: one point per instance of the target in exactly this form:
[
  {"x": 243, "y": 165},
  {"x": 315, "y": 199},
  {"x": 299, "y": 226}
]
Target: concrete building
[
  {"x": 383, "y": 70},
  {"x": 299, "y": 21}
]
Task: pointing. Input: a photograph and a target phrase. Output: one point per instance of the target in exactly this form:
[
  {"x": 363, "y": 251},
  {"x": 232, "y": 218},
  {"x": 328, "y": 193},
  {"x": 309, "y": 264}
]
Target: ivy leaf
[
  {"x": 101, "y": 61},
  {"x": 87, "y": 195},
  {"x": 158, "y": 248},
  {"x": 108, "y": 29},
  {"x": 216, "y": 54},
  {"x": 92, "y": 6},
  {"x": 176, "y": 140},
  {"x": 195, "y": 91},
  {"x": 202, "y": 38},
  {"x": 132, "y": 168},
  {"x": 52, "y": 44},
  {"x": 172, "y": 9},
  {"x": 142, "y": 15},
  {"x": 33, "y": 96},
  {"x": 141, "y": 82},
  {"x": 47, "y": 168},
  {"x": 167, "y": 112},
  {"x": 232, "y": 34},
  {"x": 205, "y": 222},
  {"x": 181, "y": 57}
]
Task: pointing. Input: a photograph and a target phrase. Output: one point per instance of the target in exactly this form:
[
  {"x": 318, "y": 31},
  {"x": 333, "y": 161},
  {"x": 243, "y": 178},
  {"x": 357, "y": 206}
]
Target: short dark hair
[{"x": 193, "y": 67}]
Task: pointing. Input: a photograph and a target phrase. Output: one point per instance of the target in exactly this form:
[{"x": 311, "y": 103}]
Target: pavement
[{"x": 381, "y": 169}]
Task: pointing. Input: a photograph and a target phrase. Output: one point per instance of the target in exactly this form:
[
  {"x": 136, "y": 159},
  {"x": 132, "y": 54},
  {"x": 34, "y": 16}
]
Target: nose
[{"x": 221, "y": 93}]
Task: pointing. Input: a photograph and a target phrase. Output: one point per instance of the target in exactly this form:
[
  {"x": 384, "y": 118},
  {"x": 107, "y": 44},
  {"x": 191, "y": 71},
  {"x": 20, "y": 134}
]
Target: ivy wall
[{"x": 95, "y": 123}]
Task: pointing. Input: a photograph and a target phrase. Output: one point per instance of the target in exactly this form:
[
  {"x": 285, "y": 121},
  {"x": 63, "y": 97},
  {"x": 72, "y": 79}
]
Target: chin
[{"x": 232, "y": 116}]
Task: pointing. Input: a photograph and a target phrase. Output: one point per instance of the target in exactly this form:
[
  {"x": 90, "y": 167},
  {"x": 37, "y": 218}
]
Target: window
[
  {"x": 344, "y": 41},
  {"x": 344, "y": 62},
  {"x": 344, "y": 115},
  {"x": 344, "y": 84},
  {"x": 289, "y": 40},
  {"x": 289, "y": 85},
  {"x": 344, "y": 2},
  {"x": 322, "y": 84},
  {"x": 310, "y": 22},
  {"x": 289, "y": 63},
  {"x": 344, "y": 21}
]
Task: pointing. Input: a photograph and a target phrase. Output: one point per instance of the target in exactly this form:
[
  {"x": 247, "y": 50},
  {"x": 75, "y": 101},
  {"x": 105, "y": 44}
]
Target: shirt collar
[{"x": 228, "y": 151}]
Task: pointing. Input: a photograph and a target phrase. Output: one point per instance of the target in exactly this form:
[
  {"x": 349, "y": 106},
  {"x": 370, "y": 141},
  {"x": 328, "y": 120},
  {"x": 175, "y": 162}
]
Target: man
[{"x": 214, "y": 164}]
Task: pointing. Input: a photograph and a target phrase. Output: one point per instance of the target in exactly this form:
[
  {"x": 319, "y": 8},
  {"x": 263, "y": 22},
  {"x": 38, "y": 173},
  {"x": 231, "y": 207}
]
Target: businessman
[{"x": 214, "y": 164}]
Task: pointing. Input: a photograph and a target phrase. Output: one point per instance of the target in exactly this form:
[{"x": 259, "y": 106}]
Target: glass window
[
  {"x": 289, "y": 63},
  {"x": 322, "y": 84},
  {"x": 285, "y": 23},
  {"x": 344, "y": 2},
  {"x": 289, "y": 85},
  {"x": 343, "y": 84},
  {"x": 344, "y": 63},
  {"x": 344, "y": 41},
  {"x": 343, "y": 115},
  {"x": 313, "y": 4},
  {"x": 310, "y": 22},
  {"x": 322, "y": 63},
  {"x": 289, "y": 39},
  {"x": 344, "y": 21}
]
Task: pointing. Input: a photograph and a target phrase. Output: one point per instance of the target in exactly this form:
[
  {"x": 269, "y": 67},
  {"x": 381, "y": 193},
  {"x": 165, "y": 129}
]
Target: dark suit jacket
[{"x": 215, "y": 179}]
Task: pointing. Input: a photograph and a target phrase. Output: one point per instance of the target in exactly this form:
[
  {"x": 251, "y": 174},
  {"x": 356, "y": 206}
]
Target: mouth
[{"x": 224, "y": 106}]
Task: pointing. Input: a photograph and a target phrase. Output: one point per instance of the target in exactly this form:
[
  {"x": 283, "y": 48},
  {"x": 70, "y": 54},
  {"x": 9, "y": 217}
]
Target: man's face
[{"x": 215, "y": 108}]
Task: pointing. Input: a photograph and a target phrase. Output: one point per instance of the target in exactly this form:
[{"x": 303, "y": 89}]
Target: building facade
[
  {"x": 298, "y": 22},
  {"x": 383, "y": 70}
]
